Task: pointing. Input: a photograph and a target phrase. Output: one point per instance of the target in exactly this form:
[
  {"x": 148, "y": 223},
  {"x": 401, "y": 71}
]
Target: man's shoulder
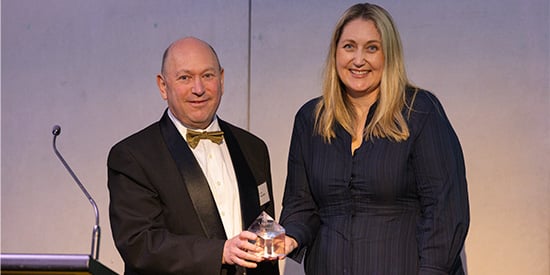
[
  {"x": 239, "y": 132},
  {"x": 145, "y": 135}
]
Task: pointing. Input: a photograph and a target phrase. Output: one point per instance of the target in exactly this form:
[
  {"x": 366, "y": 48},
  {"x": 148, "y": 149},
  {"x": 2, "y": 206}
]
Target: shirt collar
[{"x": 182, "y": 129}]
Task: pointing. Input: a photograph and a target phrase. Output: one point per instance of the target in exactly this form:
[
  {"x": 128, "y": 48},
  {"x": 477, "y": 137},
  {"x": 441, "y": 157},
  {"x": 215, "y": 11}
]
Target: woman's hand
[{"x": 290, "y": 244}]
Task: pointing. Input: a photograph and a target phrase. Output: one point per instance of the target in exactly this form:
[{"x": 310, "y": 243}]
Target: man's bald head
[{"x": 182, "y": 44}]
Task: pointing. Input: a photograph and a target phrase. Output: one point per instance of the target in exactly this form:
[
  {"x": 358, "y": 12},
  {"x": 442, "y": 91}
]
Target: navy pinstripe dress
[{"x": 390, "y": 208}]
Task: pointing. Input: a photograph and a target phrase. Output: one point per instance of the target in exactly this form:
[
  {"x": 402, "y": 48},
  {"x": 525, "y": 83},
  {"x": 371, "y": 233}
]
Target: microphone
[{"x": 96, "y": 232}]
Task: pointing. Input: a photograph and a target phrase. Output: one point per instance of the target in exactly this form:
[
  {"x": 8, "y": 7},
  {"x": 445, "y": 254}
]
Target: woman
[{"x": 376, "y": 180}]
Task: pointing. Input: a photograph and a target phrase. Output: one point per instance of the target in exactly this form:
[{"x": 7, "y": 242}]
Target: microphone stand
[{"x": 96, "y": 233}]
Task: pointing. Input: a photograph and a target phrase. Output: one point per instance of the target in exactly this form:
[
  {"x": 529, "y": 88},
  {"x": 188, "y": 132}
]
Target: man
[{"x": 178, "y": 204}]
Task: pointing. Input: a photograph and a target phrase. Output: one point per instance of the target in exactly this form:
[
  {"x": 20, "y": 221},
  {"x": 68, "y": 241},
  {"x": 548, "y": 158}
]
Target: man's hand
[{"x": 239, "y": 251}]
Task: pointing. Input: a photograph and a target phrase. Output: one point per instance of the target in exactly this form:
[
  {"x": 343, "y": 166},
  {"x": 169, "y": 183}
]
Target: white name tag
[{"x": 263, "y": 193}]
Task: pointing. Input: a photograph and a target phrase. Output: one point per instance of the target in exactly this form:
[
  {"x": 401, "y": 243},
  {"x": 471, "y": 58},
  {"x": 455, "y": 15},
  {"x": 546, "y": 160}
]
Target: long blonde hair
[{"x": 335, "y": 107}]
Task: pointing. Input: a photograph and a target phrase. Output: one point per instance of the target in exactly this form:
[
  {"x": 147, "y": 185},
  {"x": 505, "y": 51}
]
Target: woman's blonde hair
[{"x": 335, "y": 107}]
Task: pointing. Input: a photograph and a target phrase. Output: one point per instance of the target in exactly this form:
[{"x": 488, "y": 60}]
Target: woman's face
[{"x": 359, "y": 58}]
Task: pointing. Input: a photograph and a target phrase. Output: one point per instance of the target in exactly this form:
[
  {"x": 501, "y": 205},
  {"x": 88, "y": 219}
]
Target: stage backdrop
[{"x": 90, "y": 67}]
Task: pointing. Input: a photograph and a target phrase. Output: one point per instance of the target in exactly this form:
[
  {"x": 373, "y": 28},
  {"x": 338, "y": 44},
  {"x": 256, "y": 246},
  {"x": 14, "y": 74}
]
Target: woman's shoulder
[
  {"x": 305, "y": 116},
  {"x": 423, "y": 105},
  {"x": 310, "y": 104},
  {"x": 420, "y": 100},
  {"x": 308, "y": 108}
]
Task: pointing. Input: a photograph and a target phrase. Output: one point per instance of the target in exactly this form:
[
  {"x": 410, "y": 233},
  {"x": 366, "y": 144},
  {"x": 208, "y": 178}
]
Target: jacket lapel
[
  {"x": 194, "y": 180},
  {"x": 248, "y": 187}
]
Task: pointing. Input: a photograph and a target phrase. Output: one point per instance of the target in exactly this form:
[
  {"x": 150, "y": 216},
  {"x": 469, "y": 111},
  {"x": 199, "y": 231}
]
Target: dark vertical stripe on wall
[{"x": 249, "y": 64}]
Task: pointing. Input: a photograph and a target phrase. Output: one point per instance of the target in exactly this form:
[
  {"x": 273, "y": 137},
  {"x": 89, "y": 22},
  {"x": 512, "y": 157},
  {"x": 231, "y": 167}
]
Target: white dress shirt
[{"x": 216, "y": 164}]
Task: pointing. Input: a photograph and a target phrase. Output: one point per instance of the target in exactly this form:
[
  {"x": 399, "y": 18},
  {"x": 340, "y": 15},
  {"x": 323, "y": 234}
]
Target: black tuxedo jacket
[{"x": 163, "y": 216}]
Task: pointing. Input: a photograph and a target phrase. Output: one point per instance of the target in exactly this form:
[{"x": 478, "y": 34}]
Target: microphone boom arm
[{"x": 96, "y": 233}]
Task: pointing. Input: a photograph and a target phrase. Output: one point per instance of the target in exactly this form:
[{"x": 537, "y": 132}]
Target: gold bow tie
[{"x": 193, "y": 137}]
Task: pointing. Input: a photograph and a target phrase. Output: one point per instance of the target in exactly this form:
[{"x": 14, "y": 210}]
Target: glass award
[{"x": 271, "y": 236}]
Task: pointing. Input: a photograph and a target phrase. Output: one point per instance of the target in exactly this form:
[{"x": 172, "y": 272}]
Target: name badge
[{"x": 263, "y": 193}]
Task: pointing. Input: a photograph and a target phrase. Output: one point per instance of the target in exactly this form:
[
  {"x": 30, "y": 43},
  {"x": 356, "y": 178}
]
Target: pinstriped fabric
[{"x": 391, "y": 208}]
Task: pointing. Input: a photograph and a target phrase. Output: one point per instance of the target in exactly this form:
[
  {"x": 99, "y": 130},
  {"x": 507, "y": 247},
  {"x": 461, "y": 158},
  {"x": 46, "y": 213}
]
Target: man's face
[{"x": 192, "y": 82}]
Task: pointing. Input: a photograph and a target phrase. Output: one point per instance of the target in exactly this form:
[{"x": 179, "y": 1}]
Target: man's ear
[
  {"x": 221, "y": 79},
  {"x": 161, "y": 83}
]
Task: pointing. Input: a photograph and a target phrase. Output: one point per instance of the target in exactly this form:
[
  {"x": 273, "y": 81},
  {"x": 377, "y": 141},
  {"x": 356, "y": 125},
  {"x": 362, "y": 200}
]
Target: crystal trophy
[{"x": 271, "y": 236}]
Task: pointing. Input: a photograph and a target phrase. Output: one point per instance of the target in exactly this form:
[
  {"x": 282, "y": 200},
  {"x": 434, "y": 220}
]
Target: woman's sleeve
[
  {"x": 439, "y": 169},
  {"x": 299, "y": 214}
]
